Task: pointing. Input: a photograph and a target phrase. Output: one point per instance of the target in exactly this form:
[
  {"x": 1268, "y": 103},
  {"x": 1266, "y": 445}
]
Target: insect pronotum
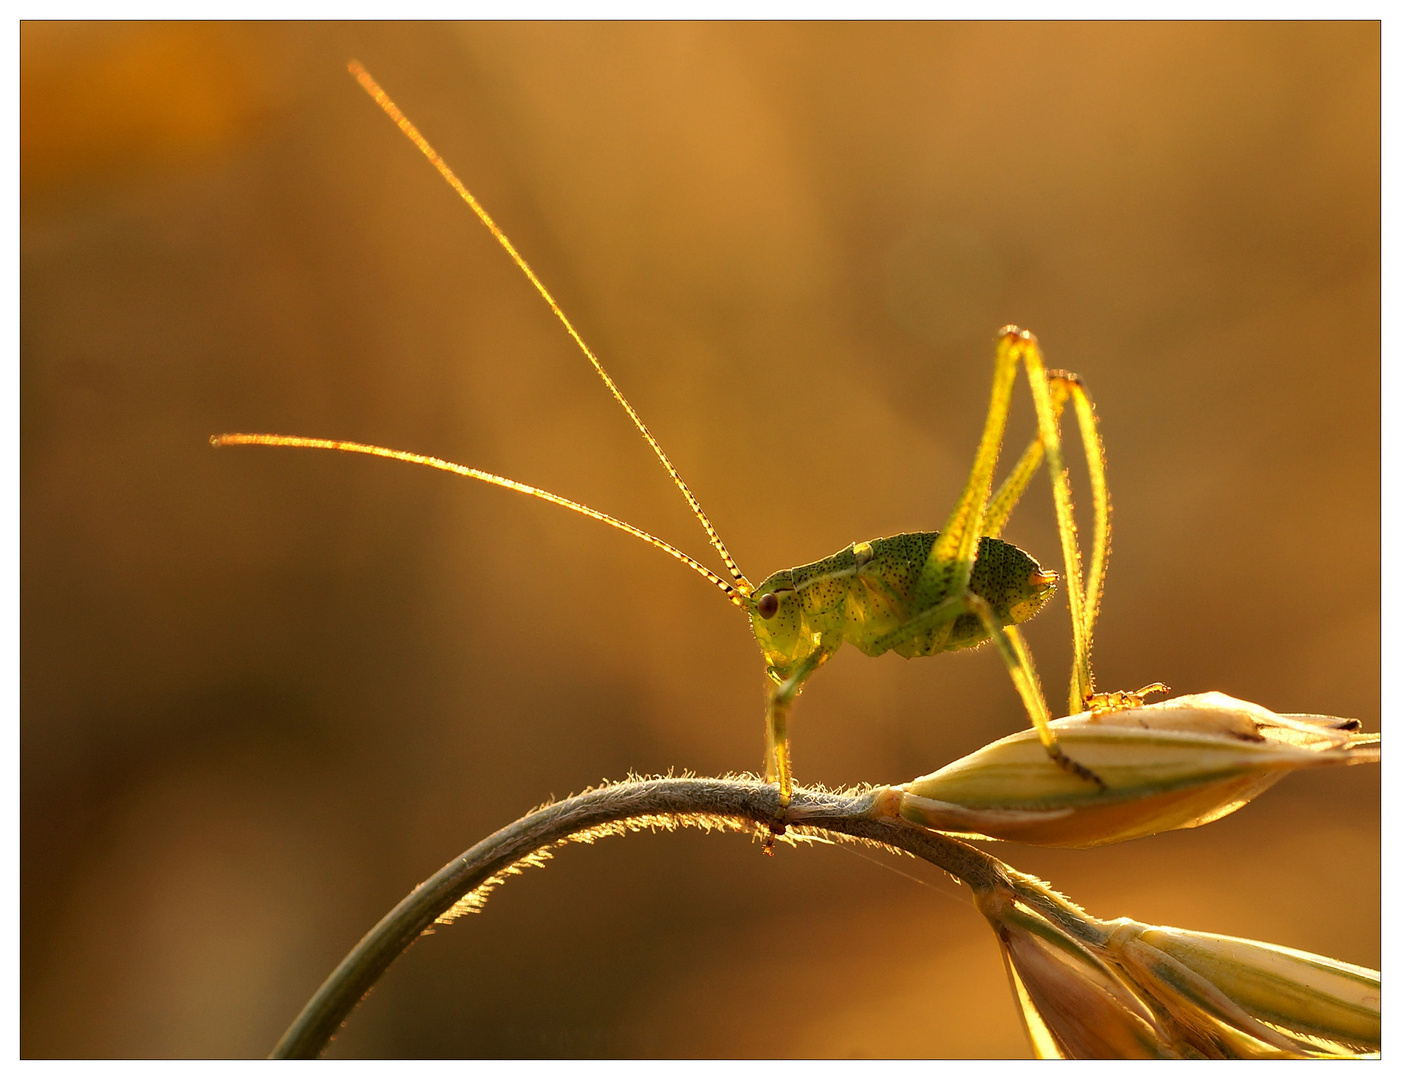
[{"x": 915, "y": 593}]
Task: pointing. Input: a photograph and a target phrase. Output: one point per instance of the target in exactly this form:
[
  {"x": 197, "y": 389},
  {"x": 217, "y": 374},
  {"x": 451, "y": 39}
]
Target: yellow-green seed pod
[
  {"x": 1321, "y": 1002},
  {"x": 1088, "y": 988},
  {"x": 1171, "y": 765}
]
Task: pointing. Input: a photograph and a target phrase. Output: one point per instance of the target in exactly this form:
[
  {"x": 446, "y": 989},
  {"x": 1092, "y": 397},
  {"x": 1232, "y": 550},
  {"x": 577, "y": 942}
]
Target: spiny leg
[
  {"x": 1094, "y": 587},
  {"x": 1049, "y": 390},
  {"x": 950, "y": 563},
  {"x": 1015, "y": 655},
  {"x": 777, "y": 760},
  {"x": 947, "y": 570},
  {"x": 1065, "y": 386},
  {"x": 1010, "y": 491},
  {"x": 949, "y": 566},
  {"x": 1099, "y": 492},
  {"x": 975, "y": 515},
  {"x": 1048, "y": 430},
  {"x": 1012, "y": 648}
]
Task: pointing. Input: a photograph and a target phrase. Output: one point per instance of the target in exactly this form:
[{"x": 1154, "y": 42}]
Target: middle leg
[{"x": 1015, "y": 656}]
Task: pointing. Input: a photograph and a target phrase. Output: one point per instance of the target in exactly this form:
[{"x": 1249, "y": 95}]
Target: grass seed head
[{"x": 1171, "y": 765}]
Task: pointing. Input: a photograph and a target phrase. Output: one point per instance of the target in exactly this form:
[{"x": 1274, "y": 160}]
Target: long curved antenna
[
  {"x": 372, "y": 88},
  {"x": 238, "y": 439}
]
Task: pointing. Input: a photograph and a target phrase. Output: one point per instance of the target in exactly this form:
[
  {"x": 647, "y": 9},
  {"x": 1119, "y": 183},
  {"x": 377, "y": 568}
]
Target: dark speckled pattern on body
[{"x": 868, "y": 590}]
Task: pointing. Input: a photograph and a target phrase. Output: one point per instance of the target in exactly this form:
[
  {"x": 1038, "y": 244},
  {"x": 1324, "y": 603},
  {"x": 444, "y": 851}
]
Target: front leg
[{"x": 777, "y": 761}]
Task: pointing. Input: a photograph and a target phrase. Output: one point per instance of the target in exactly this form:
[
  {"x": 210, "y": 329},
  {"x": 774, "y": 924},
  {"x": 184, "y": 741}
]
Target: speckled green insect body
[
  {"x": 916, "y": 593},
  {"x": 866, "y": 595},
  {"x": 872, "y": 595}
]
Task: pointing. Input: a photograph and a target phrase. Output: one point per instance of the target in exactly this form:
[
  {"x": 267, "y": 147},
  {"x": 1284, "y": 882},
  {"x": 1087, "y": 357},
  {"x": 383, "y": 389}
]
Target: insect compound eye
[{"x": 768, "y": 605}]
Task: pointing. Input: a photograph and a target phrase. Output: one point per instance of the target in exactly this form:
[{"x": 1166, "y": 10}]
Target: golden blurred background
[{"x": 266, "y": 692}]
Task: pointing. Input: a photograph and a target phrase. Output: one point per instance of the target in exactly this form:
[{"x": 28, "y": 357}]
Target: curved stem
[{"x": 738, "y": 803}]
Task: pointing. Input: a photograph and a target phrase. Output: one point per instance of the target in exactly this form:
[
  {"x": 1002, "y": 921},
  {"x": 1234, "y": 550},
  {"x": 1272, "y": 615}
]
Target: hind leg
[{"x": 1049, "y": 391}]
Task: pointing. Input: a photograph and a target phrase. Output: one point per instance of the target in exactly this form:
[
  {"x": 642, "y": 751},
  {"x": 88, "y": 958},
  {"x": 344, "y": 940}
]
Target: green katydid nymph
[{"x": 916, "y": 594}]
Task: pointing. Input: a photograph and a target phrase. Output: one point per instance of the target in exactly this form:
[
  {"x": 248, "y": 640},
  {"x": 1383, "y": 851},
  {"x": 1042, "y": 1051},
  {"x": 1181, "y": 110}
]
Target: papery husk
[
  {"x": 1315, "y": 1000},
  {"x": 1172, "y": 765}
]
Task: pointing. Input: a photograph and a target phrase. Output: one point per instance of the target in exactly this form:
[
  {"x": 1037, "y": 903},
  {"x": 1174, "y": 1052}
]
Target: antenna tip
[{"x": 216, "y": 440}]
